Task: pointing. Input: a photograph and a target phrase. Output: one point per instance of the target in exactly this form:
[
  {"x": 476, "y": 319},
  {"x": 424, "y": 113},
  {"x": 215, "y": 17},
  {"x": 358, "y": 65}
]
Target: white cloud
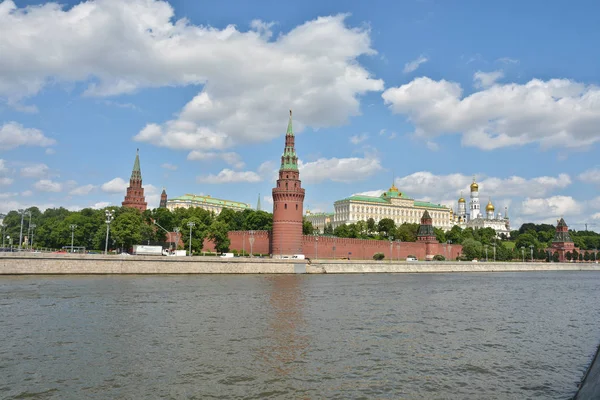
[
  {"x": 170, "y": 167},
  {"x": 47, "y": 185},
  {"x": 590, "y": 176},
  {"x": 414, "y": 64},
  {"x": 82, "y": 190},
  {"x": 433, "y": 146},
  {"x": 100, "y": 205},
  {"x": 356, "y": 139},
  {"x": 35, "y": 171},
  {"x": 508, "y": 60},
  {"x": 268, "y": 200},
  {"x": 230, "y": 176},
  {"x": 26, "y": 193},
  {"x": 425, "y": 183},
  {"x": 554, "y": 113},
  {"x": 7, "y": 195},
  {"x": 230, "y": 158},
  {"x": 4, "y": 181},
  {"x": 345, "y": 170},
  {"x": 13, "y": 134},
  {"x": 117, "y": 185},
  {"x": 50, "y": 151},
  {"x": 554, "y": 206},
  {"x": 152, "y": 195},
  {"x": 250, "y": 78},
  {"x": 486, "y": 79}
]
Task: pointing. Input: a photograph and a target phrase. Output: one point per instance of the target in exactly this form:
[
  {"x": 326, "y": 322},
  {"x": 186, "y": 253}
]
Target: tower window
[
  {"x": 296, "y": 206},
  {"x": 285, "y": 206},
  {"x": 287, "y": 176},
  {"x": 286, "y": 185}
]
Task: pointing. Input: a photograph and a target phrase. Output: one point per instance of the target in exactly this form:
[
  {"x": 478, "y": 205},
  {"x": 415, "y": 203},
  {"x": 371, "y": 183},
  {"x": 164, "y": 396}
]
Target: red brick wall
[{"x": 360, "y": 248}]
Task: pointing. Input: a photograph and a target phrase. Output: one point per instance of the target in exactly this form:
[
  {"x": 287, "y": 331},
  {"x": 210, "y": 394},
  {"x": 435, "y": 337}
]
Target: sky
[{"x": 426, "y": 94}]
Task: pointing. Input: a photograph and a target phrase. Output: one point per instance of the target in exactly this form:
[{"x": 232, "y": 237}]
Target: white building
[
  {"x": 476, "y": 219},
  {"x": 206, "y": 202},
  {"x": 391, "y": 204}
]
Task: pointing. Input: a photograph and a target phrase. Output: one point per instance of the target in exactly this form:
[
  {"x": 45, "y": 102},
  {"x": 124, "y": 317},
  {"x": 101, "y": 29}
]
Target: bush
[
  {"x": 378, "y": 256},
  {"x": 439, "y": 257}
]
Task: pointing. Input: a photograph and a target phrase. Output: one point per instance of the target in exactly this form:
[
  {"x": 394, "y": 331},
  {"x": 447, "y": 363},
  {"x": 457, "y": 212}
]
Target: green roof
[
  {"x": 320, "y": 215},
  {"x": 428, "y": 205},
  {"x": 289, "y": 159},
  {"x": 136, "y": 173},
  {"x": 192, "y": 198},
  {"x": 383, "y": 200},
  {"x": 369, "y": 199}
]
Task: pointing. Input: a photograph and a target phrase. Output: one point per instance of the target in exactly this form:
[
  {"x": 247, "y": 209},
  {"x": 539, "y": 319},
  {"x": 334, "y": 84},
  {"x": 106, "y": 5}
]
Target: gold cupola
[
  {"x": 474, "y": 186},
  {"x": 490, "y": 206}
]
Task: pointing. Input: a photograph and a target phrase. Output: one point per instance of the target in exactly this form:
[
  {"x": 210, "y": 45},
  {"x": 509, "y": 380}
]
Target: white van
[
  {"x": 298, "y": 256},
  {"x": 226, "y": 255},
  {"x": 411, "y": 259}
]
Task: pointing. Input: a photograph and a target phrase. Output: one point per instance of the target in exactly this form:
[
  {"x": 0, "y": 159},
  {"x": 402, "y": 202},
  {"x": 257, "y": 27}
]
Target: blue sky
[{"x": 428, "y": 92}]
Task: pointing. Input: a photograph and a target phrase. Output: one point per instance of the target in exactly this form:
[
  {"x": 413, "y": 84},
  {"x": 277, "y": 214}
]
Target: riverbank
[{"x": 42, "y": 263}]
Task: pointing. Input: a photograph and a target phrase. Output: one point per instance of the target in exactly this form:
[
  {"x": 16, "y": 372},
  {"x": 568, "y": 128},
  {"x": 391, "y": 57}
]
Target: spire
[
  {"x": 290, "y": 131},
  {"x": 258, "y": 203},
  {"x": 289, "y": 159},
  {"x": 136, "y": 173}
]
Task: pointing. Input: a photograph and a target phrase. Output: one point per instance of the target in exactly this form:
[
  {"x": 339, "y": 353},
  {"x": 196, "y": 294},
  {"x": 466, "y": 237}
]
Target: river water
[{"x": 410, "y": 336}]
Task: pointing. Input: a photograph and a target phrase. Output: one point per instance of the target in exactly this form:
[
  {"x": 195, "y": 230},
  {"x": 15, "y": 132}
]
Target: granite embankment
[{"x": 41, "y": 263}]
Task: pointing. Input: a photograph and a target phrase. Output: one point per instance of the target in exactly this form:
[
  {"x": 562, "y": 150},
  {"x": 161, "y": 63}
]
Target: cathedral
[{"x": 476, "y": 219}]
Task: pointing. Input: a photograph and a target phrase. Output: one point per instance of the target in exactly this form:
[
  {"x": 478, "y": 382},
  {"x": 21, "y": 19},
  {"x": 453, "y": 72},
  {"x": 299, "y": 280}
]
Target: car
[{"x": 411, "y": 259}]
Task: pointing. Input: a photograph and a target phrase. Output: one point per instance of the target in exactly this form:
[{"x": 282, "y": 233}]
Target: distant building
[
  {"x": 205, "y": 202},
  {"x": 163, "y": 199},
  {"x": 319, "y": 221},
  {"x": 562, "y": 242},
  {"x": 391, "y": 204},
  {"x": 135, "y": 192},
  {"x": 476, "y": 219}
]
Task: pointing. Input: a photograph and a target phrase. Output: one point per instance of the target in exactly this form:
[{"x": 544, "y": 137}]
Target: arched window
[
  {"x": 286, "y": 185},
  {"x": 296, "y": 206},
  {"x": 285, "y": 206}
]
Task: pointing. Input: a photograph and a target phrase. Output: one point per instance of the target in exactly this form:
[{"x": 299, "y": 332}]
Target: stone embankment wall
[{"x": 22, "y": 264}]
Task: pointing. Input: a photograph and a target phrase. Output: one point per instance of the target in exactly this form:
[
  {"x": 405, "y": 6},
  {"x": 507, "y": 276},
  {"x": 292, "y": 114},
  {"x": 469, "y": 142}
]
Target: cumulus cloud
[
  {"x": 345, "y": 170},
  {"x": 35, "y": 171},
  {"x": 250, "y": 78},
  {"x": 231, "y": 158},
  {"x": 13, "y": 134},
  {"x": 553, "y": 113},
  {"x": 356, "y": 139},
  {"x": 230, "y": 176},
  {"x": 117, "y": 185},
  {"x": 590, "y": 176},
  {"x": 414, "y": 64},
  {"x": 554, "y": 206},
  {"x": 47, "y": 185},
  {"x": 486, "y": 79},
  {"x": 82, "y": 190}
]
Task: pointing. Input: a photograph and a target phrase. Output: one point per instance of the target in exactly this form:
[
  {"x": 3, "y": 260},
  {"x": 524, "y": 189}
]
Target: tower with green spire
[
  {"x": 135, "y": 192},
  {"x": 288, "y": 201}
]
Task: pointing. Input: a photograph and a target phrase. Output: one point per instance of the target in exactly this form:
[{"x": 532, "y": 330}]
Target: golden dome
[
  {"x": 393, "y": 188},
  {"x": 474, "y": 186},
  {"x": 489, "y": 207},
  {"x": 462, "y": 200}
]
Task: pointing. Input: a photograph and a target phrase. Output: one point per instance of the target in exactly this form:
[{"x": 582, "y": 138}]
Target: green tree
[
  {"x": 307, "y": 227},
  {"x": 126, "y": 229},
  {"x": 568, "y": 256},
  {"x": 218, "y": 233},
  {"x": 371, "y": 225},
  {"x": 440, "y": 235},
  {"x": 555, "y": 256},
  {"x": 407, "y": 232},
  {"x": 386, "y": 227},
  {"x": 471, "y": 249},
  {"x": 328, "y": 230},
  {"x": 342, "y": 231}
]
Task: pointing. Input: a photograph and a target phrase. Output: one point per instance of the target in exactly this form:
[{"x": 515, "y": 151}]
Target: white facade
[
  {"x": 391, "y": 204},
  {"x": 205, "y": 202},
  {"x": 319, "y": 220}
]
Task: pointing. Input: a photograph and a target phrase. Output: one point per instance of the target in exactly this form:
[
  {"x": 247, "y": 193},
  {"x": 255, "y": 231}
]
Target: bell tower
[{"x": 288, "y": 200}]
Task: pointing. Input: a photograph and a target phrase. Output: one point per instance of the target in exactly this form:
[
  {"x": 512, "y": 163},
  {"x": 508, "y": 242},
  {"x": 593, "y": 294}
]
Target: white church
[{"x": 476, "y": 219}]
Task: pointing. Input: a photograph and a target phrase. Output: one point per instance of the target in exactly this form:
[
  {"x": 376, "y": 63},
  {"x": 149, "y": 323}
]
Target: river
[{"x": 410, "y": 336}]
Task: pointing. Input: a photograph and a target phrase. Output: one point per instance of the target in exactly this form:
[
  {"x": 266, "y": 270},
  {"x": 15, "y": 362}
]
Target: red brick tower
[
  {"x": 163, "y": 199},
  {"x": 562, "y": 242},
  {"x": 135, "y": 192},
  {"x": 426, "y": 235},
  {"x": 288, "y": 199}
]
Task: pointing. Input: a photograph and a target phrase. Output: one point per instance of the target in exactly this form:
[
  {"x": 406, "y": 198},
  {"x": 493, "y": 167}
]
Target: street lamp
[
  {"x": 251, "y": 240},
  {"x": 523, "y": 252},
  {"x": 73, "y": 227},
  {"x": 109, "y": 219},
  {"x": 494, "y": 250},
  {"x": 191, "y": 224},
  {"x": 486, "y": 253},
  {"x": 531, "y": 251},
  {"x": 316, "y": 246},
  {"x": 29, "y": 226},
  {"x": 9, "y": 242},
  {"x": 398, "y": 241},
  {"x": 449, "y": 242},
  {"x": 391, "y": 244},
  {"x": 33, "y": 226}
]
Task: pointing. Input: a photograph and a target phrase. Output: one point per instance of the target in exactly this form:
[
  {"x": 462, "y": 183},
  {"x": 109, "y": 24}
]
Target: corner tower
[
  {"x": 135, "y": 192},
  {"x": 288, "y": 200}
]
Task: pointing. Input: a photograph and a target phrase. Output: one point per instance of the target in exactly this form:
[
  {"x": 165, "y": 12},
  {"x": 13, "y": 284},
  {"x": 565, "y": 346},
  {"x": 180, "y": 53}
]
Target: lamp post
[
  {"x": 398, "y": 242},
  {"x": 33, "y": 226},
  {"x": 449, "y": 242},
  {"x": 9, "y": 242},
  {"x": 316, "y": 246},
  {"x": 494, "y": 251},
  {"x": 109, "y": 219},
  {"x": 191, "y": 224},
  {"x": 251, "y": 240},
  {"x": 334, "y": 247},
  {"x": 523, "y": 252},
  {"x": 29, "y": 226},
  {"x": 73, "y": 227},
  {"x": 391, "y": 244},
  {"x": 244, "y": 244},
  {"x": 531, "y": 251},
  {"x": 486, "y": 253},
  {"x": 22, "y": 212},
  {"x": 3, "y": 232}
]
